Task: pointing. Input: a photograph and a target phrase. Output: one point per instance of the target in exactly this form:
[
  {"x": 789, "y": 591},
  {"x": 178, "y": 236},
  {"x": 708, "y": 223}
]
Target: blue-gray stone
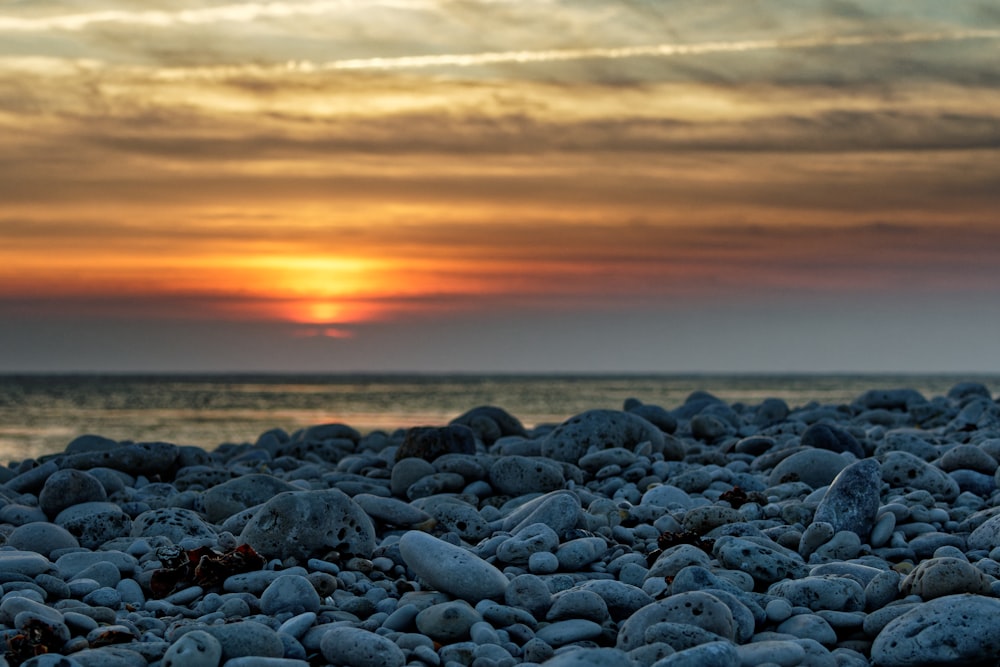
[{"x": 852, "y": 501}]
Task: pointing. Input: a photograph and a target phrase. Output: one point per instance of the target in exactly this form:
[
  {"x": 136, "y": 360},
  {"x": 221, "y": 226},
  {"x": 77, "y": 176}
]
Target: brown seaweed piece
[
  {"x": 737, "y": 497},
  {"x": 36, "y": 638},
  {"x": 203, "y": 567},
  {"x": 668, "y": 539}
]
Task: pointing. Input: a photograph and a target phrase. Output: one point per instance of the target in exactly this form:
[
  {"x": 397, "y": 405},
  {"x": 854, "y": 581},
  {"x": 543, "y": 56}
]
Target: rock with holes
[
  {"x": 193, "y": 649},
  {"x": 490, "y": 423},
  {"x": 307, "y": 524},
  {"x": 142, "y": 458},
  {"x": 599, "y": 429},
  {"x": 938, "y": 577},
  {"x": 226, "y": 499},
  {"x": 698, "y": 608},
  {"x": 905, "y": 471},
  {"x": 852, "y": 501},
  {"x": 951, "y": 630},
  {"x": 173, "y": 523},
  {"x": 95, "y": 523},
  {"x": 517, "y": 475},
  {"x": 428, "y": 442}
]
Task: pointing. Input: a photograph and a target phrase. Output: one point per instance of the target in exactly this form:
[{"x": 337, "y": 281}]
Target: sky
[{"x": 500, "y": 186}]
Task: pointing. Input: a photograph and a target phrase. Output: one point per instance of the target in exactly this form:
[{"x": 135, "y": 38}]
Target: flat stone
[
  {"x": 986, "y": 536},
  {"x": 451, "y": 569},
  {"x": 531, "y": 539},
  {"x": 950, "y": 630},
  {"x": 832, "y": 438},
  {"x": 391, "y": 511},
  {"x": 143, "y": 458},
  {"x": 712, "y": 654},
  {"x": 567, "y": 632}
]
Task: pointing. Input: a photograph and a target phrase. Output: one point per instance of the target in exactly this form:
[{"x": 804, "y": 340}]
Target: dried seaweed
[
  {"x": 737, "y": 497},
  {"x": 36, "y": 638},
  {"x": 203, "y": 567},
  {"x": 668, "y": 539}
]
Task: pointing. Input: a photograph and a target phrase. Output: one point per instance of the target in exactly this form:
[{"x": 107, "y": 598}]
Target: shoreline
[{"x": 852, "y": 534}]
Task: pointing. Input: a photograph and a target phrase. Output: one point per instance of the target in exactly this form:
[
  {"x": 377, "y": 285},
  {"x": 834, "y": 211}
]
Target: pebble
[
  {"x": 354, "y": 647},
  {"x": 450, "y": 568},
  {"x": 486, "y": 544}
]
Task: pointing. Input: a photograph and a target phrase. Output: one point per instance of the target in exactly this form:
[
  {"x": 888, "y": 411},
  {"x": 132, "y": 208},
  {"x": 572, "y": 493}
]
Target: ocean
[{"x": 40, "y": 414}]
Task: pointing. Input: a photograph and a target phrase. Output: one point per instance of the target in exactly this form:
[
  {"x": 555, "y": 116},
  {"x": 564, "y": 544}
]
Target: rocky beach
[{"x": 704, "y": 533}]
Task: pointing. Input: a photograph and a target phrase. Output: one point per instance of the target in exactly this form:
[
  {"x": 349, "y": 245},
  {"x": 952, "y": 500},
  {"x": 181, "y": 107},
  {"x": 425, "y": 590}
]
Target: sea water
[{"x": 40, "y": 414}]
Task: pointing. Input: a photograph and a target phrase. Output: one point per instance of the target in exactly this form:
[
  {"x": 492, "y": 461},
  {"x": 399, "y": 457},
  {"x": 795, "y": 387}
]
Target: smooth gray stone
[
  {"x": 354, "y": 647},
  {"x": 50, "y": 660},
  {"x": 65, "y": 488},
  {"x": 666, "y": 495},
  {"x": 561, "y": 633},
  {"x": 676, "y": 558},
  {"x": 815, "y": 467},
  {"x": 456, "y": 516},
  {"x": 577, "y": 603},
  {"x": 246, "y": 638},
  {"x": 104, "y": 573},
  {"x": 595, "y": 657},
  {"x": 406, "y": 472},
  {"x": 491, "y": 423},
  {"x": 70, "y": 565},
  {"x": 713, "y": 654},
  {"x": 41, "y": 537},
  {"x": 517, "y": 475},
  {"x": 955, "y": 629},
  {"x": 391, "y": 511},
  {"x": 534, "y": 538},
  {"x": 530, "y": 592},
  {"x": 852, "y": 501},
  {"x": 560, "y": 510},
  {"x": 600, "y": 429},
  {"x": 833, "y": 438},
  {"x": 779, "y": 652},
  {"x": 173, "y": 523},
  {"x": 809, "y": 626},
  {"x": 451, "y": 569},
  {"x": 289, "y": 594},
  {"x": 257, "y": 661},
  {"x": 306, "y": 524},
  {"x": 110, "y": 656},
  {"x": 448, "y": 622},
  {"x": 575, "y": 554},
  {"x": 226, "y": 499},
  {"x": 622, "y": 599},
  {"x": 29, "y": 480},
  {"x": 693, "y": 607}
]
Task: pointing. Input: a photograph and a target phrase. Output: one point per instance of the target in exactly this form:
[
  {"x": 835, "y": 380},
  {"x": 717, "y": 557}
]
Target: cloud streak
[{"x": 653, "y": 51}]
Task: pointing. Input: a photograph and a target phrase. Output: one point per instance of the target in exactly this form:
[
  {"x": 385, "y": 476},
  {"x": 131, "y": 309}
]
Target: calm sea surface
[{"x": 41, "y": 414}]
